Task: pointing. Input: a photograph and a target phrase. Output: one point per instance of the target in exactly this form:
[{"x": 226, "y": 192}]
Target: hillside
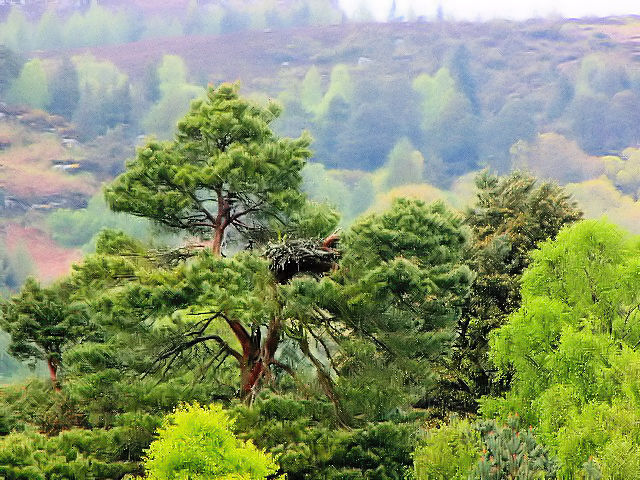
[
  {"x": 397, "y": 49},
  {"x": 396, "y": 109}
]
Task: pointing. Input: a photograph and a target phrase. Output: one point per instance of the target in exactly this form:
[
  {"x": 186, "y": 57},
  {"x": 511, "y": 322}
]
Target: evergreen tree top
[{"x": 225, "y": 168}]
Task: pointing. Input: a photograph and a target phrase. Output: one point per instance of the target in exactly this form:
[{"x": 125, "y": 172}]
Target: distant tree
[
  {"x": 105, "y": 98},
  {"x": 622, "y": 121},
  {"x": 599, "y": 75},
  {"x": 100, "y": 26},
  {"x": 459, "y": 66},
  {"x": 330, "y": 130},
  {"x": 10, "y": 67},
  {"x": 234, "y": 21},
  {"x": 437, "y": 92},
  {"x": 151, "y": 83},
  {"x": 175, "y": 93},
  {"x": 562, "y": 94},
  {"x": 405, "y": 164},
  {"x": 311, "y": 89},
  {"x": 301, "y": 15},
  {"x": 324, "y": 12},
  {"x": 64, "y": 90},
  {"x": 16, "y": 32},
  {"x": 340, "y": 88},
  {"x": 42, "y": 322},
  {"x": 158, "y": 26},
  {"x": 600, "y": 197},
  {"x": 551, "y": 156},
  {"x": 385, "y": 106},
  {"x": 31, "y": 87},
  {"x": 599, "y": 104},
  {"x": 204, "y": 19},
  {"x": 624, "y": 171},
  {"x": 49, "y": 34},
  {"x": 514, "y": 122},
  {"x": 362, "y": 196},
  {"x": 225, "y": 169},
  {"x": 273, "y": 18},
  {"x": 78, "y": 227},
  {"x": 448, "y": 124},
  {"x": 19, "y": 265},
  {"x": 587, "y": 114},
  {"x": 321, "y": 186}
]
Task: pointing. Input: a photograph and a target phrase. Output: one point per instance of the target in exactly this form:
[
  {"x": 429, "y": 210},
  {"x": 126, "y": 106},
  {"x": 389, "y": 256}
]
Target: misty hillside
[{"x": 395, "y": 109}]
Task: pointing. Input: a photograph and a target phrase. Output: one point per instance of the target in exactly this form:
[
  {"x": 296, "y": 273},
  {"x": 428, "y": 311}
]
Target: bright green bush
[
  {"x": 197, "y": 443},
  {"x": 448, "y": 452},
  {"x": 572, "y": 351}
]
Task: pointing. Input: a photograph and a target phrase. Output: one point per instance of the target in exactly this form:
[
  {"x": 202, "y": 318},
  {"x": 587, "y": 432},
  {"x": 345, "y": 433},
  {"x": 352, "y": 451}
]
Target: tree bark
[
  {"x": 216, "y": 245},
  {"x": 258, "y": 358},
  {"x": 221, "y": 223},
  {"x": 53, "y": 373}
]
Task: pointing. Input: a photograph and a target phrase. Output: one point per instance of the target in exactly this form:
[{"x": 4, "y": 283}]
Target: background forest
[{"x": 379, "y": 254}]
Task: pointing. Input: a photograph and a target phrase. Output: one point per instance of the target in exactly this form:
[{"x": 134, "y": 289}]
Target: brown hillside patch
[
  {"x": 28, "y": 170},
  {"x": 51, "y": 260},
  {"x": 245, "y": 55}
]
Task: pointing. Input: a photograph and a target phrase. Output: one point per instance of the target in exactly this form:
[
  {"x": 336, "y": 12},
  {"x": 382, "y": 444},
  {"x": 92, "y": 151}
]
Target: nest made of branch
[{"x": 302, "y": 256}]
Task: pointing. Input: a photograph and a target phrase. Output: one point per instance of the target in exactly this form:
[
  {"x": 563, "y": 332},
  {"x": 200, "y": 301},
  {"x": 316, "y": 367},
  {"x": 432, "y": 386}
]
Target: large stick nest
[{"x": 302, "y": 256}]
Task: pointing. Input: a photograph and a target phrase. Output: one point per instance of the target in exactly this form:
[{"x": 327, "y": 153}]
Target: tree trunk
[
  {"x": 216, "y": 245},
  {"x": 53, "y": 373},
  {"x": 257, "y": 360},
  {"x": 222, "y": 220}
]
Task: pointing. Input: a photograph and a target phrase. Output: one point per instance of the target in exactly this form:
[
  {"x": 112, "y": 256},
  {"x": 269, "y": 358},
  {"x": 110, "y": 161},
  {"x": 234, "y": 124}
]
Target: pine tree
[
  {"x": 226, "y": 168},
  {"x": 42, "y": 322},
  {"x": 391, "y": 306}
]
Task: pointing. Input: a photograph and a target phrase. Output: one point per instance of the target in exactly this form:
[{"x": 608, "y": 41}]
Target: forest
[{"x": 262, "y": 240}]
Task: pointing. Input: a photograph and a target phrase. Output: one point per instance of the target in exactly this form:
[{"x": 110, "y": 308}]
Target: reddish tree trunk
[
  {"x": 216, "y": 245},
  {"x": 221, "y": 223},
  {"x": 257, "y": 358},
  {"x": 53, "y": 373}
]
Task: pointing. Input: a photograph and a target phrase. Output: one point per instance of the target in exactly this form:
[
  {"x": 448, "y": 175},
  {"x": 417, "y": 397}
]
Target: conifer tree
[
  {"x": 510, "y": 216},
  {"x": 225, "y": 168},
  {"x": 42, "y": 321},
  {"x": 391, "y": 306},
  {"x": 10, "y": 67}
]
